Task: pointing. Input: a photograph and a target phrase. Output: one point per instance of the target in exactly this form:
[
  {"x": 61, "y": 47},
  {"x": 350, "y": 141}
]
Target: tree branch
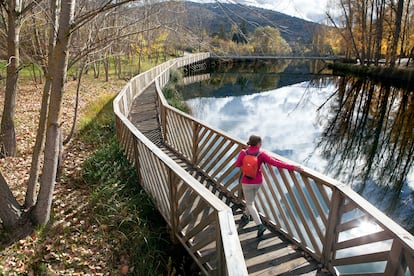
[{"x": 82, "y": 20}]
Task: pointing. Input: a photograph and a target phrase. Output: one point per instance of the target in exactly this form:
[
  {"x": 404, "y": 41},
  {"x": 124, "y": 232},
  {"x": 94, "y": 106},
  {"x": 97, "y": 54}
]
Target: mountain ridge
[{"x": 216, "y": 16}]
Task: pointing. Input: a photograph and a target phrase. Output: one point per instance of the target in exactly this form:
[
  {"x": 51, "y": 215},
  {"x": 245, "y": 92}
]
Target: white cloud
[
  {"x": 309, "y": 10},
  {"x": 287, "y": 126}
]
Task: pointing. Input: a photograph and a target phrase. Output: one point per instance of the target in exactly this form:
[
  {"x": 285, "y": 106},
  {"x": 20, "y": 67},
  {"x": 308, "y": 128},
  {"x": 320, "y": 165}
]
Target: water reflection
[
  {"x": 369, "y": 141},
  {"x": 241, "y": 78},
  {"x": 354, "y": 130}
]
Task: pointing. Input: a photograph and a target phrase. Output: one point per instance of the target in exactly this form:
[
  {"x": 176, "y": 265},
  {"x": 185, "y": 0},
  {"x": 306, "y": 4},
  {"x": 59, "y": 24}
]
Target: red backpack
[{"x": 250, "y": 165}]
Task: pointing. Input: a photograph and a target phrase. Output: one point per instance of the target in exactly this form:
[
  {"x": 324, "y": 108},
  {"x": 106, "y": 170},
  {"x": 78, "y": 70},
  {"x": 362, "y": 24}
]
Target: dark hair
[{"x": 254, "y": 140}]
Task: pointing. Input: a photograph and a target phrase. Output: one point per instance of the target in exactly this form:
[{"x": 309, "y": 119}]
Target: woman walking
[{"x": 251, "y": 185}]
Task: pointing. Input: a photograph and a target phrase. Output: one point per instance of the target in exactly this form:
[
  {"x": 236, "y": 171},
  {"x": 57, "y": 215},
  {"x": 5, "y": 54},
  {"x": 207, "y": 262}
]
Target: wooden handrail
[{"x": 171, "y": 186}]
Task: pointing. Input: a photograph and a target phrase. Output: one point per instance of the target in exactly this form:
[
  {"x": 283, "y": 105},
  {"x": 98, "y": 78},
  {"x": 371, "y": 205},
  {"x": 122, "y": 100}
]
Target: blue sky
[{"x": 312, "y": 10}]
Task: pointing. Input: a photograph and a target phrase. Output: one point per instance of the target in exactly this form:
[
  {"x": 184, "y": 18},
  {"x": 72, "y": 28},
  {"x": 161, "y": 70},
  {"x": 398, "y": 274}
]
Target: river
[{"x": 354, "y": 130}]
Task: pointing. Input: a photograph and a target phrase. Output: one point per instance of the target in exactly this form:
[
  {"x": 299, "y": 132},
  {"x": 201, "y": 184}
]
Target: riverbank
[{"x": 401, "y": 76}]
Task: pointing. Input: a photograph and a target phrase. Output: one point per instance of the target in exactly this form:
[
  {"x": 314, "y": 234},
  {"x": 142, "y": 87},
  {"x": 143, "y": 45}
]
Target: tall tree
[
  {"x": 39, "y": 143},
  {"x": 380, "y": 9},
  {"x": 397, "y": 32},
  {"x": 14, "y": 11},
  {"x": 58, "y": 66},
  {"x": 267, "y": 40}
]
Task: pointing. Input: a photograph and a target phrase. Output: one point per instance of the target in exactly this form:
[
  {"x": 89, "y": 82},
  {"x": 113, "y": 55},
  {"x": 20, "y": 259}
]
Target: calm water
[{"x": 356, "y": 131}]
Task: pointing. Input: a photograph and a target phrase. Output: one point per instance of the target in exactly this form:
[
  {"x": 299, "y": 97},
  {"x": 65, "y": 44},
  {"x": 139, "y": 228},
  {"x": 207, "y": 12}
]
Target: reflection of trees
[
  {"x": 370, "y": 136},
  {"x": 260, "y": 76},
  {"x": 254, "y": 66},
  {"x": 232, "y": 77},
  {"x": 239, "y": 78}
]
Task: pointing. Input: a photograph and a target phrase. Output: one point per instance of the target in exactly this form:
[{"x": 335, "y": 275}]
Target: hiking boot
[
  {"x": 260, "y": 230},
  {"x": 244, "y": 220}
]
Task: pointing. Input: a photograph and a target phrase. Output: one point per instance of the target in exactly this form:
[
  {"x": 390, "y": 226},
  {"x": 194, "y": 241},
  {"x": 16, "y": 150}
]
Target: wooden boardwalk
[
  {"x": 270, "y": 255},
  {"x": 313, "y": 221}
]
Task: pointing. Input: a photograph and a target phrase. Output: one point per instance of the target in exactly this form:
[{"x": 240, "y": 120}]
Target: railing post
[
  {"x": 164, "y": 131},
  {"x": 331, "y": 235},
  {"x": 172, "y": 181},
  {"x": 221, "y": 258},
  {"x": 118, "y": 129},
  {"x": 395, "y": 260},
  {"x": 136, "y": 161},
  {"x": 196, "y": 129}
]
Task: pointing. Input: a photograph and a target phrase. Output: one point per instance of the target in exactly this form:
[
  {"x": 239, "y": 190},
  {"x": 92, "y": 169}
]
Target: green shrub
[
  {"x": 171, "y": 91},
  {"x": 119, "y": 203},
  {"x": 176, "y": 76}
]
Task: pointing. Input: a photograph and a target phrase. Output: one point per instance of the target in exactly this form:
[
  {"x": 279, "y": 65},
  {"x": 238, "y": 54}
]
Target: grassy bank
[
  {"x": 171, "y": 91},
  {"x": 401, "y": 77},
  {"x": 134, "y": 226},
  {"x": 118, "y": 204}
]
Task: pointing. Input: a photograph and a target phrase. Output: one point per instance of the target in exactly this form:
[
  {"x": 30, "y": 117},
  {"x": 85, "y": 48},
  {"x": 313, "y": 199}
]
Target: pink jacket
[{"x": 263, "y": 157}]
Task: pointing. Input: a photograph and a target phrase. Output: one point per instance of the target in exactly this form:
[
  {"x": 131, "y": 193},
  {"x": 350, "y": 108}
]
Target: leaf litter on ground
[{"x": 73, "y": 243}]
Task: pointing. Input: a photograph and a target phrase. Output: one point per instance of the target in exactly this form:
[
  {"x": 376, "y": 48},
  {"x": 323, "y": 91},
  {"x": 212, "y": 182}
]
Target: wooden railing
[
  {"x": 335, "y": 225},
  {"x": 199, "y": 220},
  {"x": 339, "y": 228}
]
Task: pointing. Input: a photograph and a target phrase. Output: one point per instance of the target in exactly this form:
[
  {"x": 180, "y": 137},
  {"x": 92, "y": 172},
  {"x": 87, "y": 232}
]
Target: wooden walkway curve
[
  {"x": 271, "y": 255},
  {"x": 316, "y": 225}
]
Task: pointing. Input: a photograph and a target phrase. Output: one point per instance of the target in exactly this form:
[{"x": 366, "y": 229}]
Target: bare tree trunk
[
  {"x": 397, "y": 32},
  {"x": 139, "y": 55},
  {"x": 349, "y": 28},
  {"x": 58, "y": 72},
  {"x": 33, "y": 67},
  {"x": 117, "y": 61},
  {"x": 380, "y": 23},
  {"x": 15, "y": 222},
  {"x": 96, "y": 71},
  {"x": 410, "y": 56},
  {"x": 9, "y": 207},
  {"x": 364, "y": 32},
  {"x": 41, "y": 130},
  {"x": 75, "y": 116},
  {"x": 106, "y": 68},
  {"x": 370, "y": 38},
  {"x": 405, "y": 33},
  {"x": 7, "y": 131},
  {"x": 36, "y": 156}
]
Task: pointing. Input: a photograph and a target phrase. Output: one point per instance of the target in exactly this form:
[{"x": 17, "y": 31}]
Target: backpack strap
[{"x": 255, "y": 154}]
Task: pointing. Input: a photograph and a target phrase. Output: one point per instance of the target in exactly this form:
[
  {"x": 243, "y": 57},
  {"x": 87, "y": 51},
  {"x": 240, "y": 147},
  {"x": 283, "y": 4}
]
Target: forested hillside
[{"x": 218, "y": 17}]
